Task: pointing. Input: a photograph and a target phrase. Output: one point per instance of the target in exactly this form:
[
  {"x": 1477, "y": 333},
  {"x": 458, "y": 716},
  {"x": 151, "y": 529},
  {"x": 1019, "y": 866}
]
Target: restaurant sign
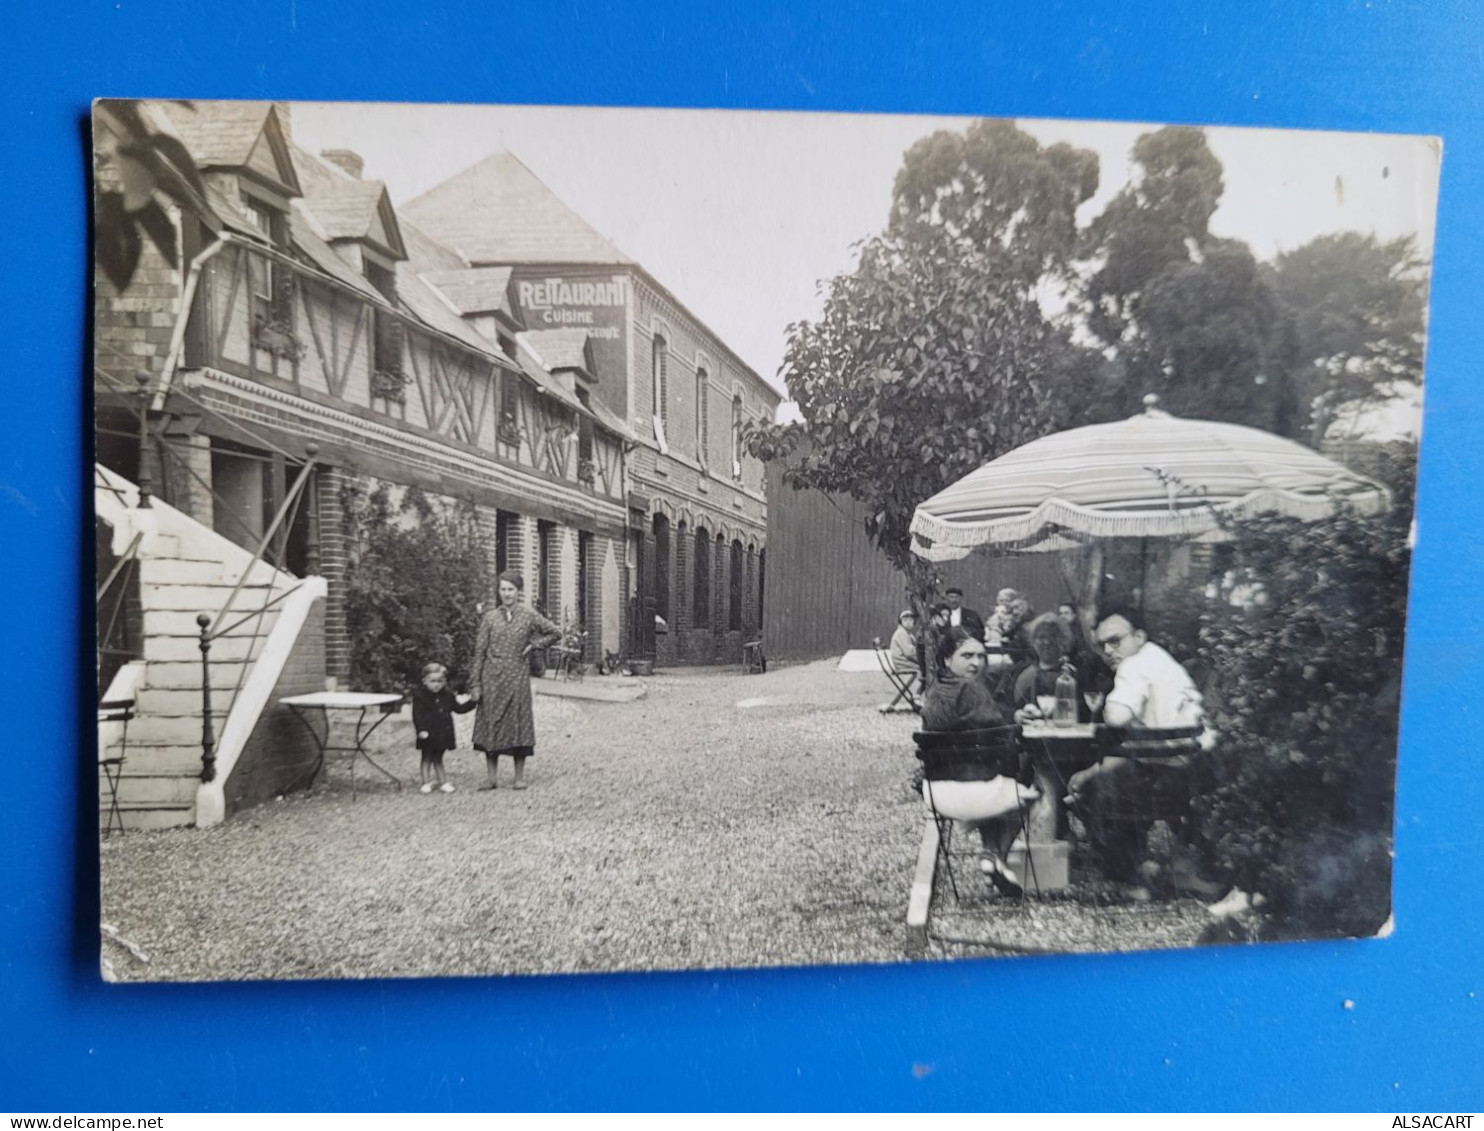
[{"x": 596, "y": 305}]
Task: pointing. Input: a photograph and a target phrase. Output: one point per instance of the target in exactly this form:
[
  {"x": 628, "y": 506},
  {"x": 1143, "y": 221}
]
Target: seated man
[
  {"x": 1150, "y": 690},
  {"x": 961, "y": 616}
]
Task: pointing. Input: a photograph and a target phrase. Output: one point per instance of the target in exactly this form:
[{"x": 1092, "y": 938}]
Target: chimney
[{"x": 346, "y": 159}]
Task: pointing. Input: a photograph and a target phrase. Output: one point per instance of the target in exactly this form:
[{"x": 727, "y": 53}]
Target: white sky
[{"x": 741, "y": 213}]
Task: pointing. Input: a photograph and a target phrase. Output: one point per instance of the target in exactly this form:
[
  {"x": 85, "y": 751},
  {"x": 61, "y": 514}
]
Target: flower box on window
[
  {"x": 277, "y": 337},
  {"x": 587, "y": 471},
  {"x": 508, "y": 430},
  {"x": 389, "y": 385}
]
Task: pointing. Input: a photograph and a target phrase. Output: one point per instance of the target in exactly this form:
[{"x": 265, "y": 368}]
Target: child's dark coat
[{"x": 433, "y": 711}]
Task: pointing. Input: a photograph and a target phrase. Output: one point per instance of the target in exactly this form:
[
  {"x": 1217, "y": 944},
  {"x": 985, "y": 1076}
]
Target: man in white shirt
[{"x": 1151, "y": 690}]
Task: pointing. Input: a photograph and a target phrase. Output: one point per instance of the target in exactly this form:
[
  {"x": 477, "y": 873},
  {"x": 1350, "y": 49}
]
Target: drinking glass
[{"x": 1094, "y": 701}]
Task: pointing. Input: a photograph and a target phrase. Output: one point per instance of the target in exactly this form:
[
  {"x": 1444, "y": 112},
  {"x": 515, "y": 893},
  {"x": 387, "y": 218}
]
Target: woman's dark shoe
[{"x": 1006, "y": 882}]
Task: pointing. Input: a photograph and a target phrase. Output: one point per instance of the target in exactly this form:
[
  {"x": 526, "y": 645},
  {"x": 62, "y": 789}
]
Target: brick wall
[
  {"x": 280, "y": 753},
  {"x": 688, "y": 342},
  {"x": 334, "y": 556},
  {"x": 132, "y": 327}
]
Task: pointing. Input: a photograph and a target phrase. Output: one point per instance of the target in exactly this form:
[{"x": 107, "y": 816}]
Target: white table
[{"x": 361, "y": 702}]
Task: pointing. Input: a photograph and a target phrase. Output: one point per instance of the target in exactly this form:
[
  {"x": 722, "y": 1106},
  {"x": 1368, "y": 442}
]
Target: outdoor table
[
  {"x": 1057, "y": 752},
  {"x": 361, "y": 702}
]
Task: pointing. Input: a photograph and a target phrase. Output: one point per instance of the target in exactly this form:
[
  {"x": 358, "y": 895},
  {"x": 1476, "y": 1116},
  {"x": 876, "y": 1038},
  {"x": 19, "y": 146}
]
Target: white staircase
[{"x": 186, "y": 569}]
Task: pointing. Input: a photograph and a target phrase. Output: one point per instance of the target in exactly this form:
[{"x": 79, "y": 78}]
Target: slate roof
[
  {"x": 475, "y": 290},
  {"x": 218, "y": 134},
  {"x": 344, "y": 207},
  {"x": 425, "y": 253},
  {"x": 322, "y": 255},
  {"x": 558, "y": 349},
  {"x": 498, "y": 211}
]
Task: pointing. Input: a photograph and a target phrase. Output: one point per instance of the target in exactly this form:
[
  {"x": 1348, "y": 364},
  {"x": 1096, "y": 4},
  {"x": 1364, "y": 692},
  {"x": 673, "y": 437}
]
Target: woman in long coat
[{"x": 501, "y": 679}]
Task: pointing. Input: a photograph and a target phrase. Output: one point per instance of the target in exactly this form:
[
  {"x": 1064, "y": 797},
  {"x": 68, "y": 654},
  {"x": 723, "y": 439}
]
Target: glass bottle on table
[{"x": 1065, "y": 714}]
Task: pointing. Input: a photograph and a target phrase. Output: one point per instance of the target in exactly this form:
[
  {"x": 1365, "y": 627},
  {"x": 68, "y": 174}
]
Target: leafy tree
[
  {"x": 1299, "y": 807},
  {"x": 417, "y": 574},
  {"x": 139, "y": 170},
  {"x": 1358, "y": 306},
  {"x": 935, "y": 354},
  {"x": 1190, "y": 316}
]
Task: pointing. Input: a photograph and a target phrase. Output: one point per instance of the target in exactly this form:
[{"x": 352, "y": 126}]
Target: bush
[
  {"x": 1299, "y": 806},
  {"x": 417, "y": 574}
]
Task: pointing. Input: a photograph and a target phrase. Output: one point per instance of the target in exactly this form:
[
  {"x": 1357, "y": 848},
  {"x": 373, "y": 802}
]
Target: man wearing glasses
[{"x": 1150, "y": 690}]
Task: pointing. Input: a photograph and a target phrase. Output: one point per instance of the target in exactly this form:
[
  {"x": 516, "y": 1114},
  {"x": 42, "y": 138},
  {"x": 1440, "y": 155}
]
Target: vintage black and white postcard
[{"x": 553, "y": 540}]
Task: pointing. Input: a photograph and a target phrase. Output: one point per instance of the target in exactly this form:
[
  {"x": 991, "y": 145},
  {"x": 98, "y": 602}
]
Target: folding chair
[
  {"x": 1121, "y": 808},
  {"x": 899, "y": 680},
  {"x": 112, "y": 765},
  {"x": 971, "y": 777}
]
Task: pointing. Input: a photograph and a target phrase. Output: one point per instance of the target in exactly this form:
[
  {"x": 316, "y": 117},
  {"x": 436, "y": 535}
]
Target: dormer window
[
  {"x": 384, "y": 280},
  {"x": 272, "y": 282}
]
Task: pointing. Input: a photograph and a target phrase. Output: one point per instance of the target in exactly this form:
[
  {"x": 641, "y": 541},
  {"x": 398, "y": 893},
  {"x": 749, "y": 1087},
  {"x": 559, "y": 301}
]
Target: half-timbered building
[
  {"x": 310, "y": 313},
  {"x": 695, "y": 503}
]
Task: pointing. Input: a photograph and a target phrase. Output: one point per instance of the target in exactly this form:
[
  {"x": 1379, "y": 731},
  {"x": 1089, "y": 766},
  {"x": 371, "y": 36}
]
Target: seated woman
[
  {"x": 961, "y": 699},
  {"x": 1051, "y": 640},
  {"x": 1008, "y": 629}
]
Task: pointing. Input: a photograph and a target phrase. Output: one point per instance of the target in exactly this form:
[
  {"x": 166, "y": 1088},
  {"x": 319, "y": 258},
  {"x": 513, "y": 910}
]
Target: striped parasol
[{"x": 1150, "y": 476}]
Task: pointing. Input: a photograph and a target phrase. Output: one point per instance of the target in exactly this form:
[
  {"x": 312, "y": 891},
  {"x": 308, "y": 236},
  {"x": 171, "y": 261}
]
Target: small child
[{"x": 433, "y": 708}]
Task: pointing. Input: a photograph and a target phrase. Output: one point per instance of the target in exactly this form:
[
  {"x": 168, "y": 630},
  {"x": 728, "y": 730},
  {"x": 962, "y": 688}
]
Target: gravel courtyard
[{"x": 723, "y": 820}]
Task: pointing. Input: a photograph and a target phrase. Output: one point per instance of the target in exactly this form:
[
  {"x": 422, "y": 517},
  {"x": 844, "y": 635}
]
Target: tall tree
[
  {"x": 935, "y": 354},
  {"x": 1189, "y": 315},
  {"x": 1358, "y": 306}
]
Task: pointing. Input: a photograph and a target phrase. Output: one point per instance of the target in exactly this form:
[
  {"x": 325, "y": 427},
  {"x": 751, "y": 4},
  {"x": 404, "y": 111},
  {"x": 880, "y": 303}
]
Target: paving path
[{"x": 721, "y": 820}]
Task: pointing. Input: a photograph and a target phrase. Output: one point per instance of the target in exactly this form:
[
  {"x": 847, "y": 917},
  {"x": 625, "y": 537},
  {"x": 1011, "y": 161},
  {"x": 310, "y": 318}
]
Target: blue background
[{"x": 1245, "y": 1028}]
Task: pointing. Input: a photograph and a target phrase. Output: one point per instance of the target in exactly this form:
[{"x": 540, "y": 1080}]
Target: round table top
[
  {"x": 342, "y": 699},
  {"x": 1044, "y": 731}
]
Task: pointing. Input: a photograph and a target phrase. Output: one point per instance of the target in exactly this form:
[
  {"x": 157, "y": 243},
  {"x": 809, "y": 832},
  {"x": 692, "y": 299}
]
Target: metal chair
[
  {"x": 753, "y": 659},
  {"x": 971, "y": 777},
  {"x": 112, "y": 765},
  {"x": 899, "y": 680},
  {"x": 1154, "y": 787}
]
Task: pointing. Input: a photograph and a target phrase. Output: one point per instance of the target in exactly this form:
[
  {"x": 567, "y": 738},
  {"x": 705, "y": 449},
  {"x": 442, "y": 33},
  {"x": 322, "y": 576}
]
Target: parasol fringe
[{"x": 937, "y": 540}]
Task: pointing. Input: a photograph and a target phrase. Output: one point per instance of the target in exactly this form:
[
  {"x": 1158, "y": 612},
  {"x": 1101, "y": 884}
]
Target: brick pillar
[
  {"x": 721, "y": 556},
  {"x": 334, "y": 557},
  {"x": 524, "y": 553},
  {"x": 683, "y": 589},
  {"x": 749, "y": 596},
  {"x": 487, "y": 521},
  {"x": 188, "y": 466},
  {"x": 564, "y": 559}
]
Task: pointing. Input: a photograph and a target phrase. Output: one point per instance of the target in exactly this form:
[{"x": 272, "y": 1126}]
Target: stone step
[
  {"x": 187, "y": 649},
  {"x": 182, "y": 622},
  {"x": 172, "y": 730},
  {"x": 153, "y": 816},
  {"x": 187, "y": 674},
  {"x": 191, "y": 571},
  {"x": 162, "y": 760},
  {"x": 205, "y": 598},
  {"x": 160, "y": 546},
  {"x": 154, "y": 789},
  {"x": 158, "y": 703}
]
